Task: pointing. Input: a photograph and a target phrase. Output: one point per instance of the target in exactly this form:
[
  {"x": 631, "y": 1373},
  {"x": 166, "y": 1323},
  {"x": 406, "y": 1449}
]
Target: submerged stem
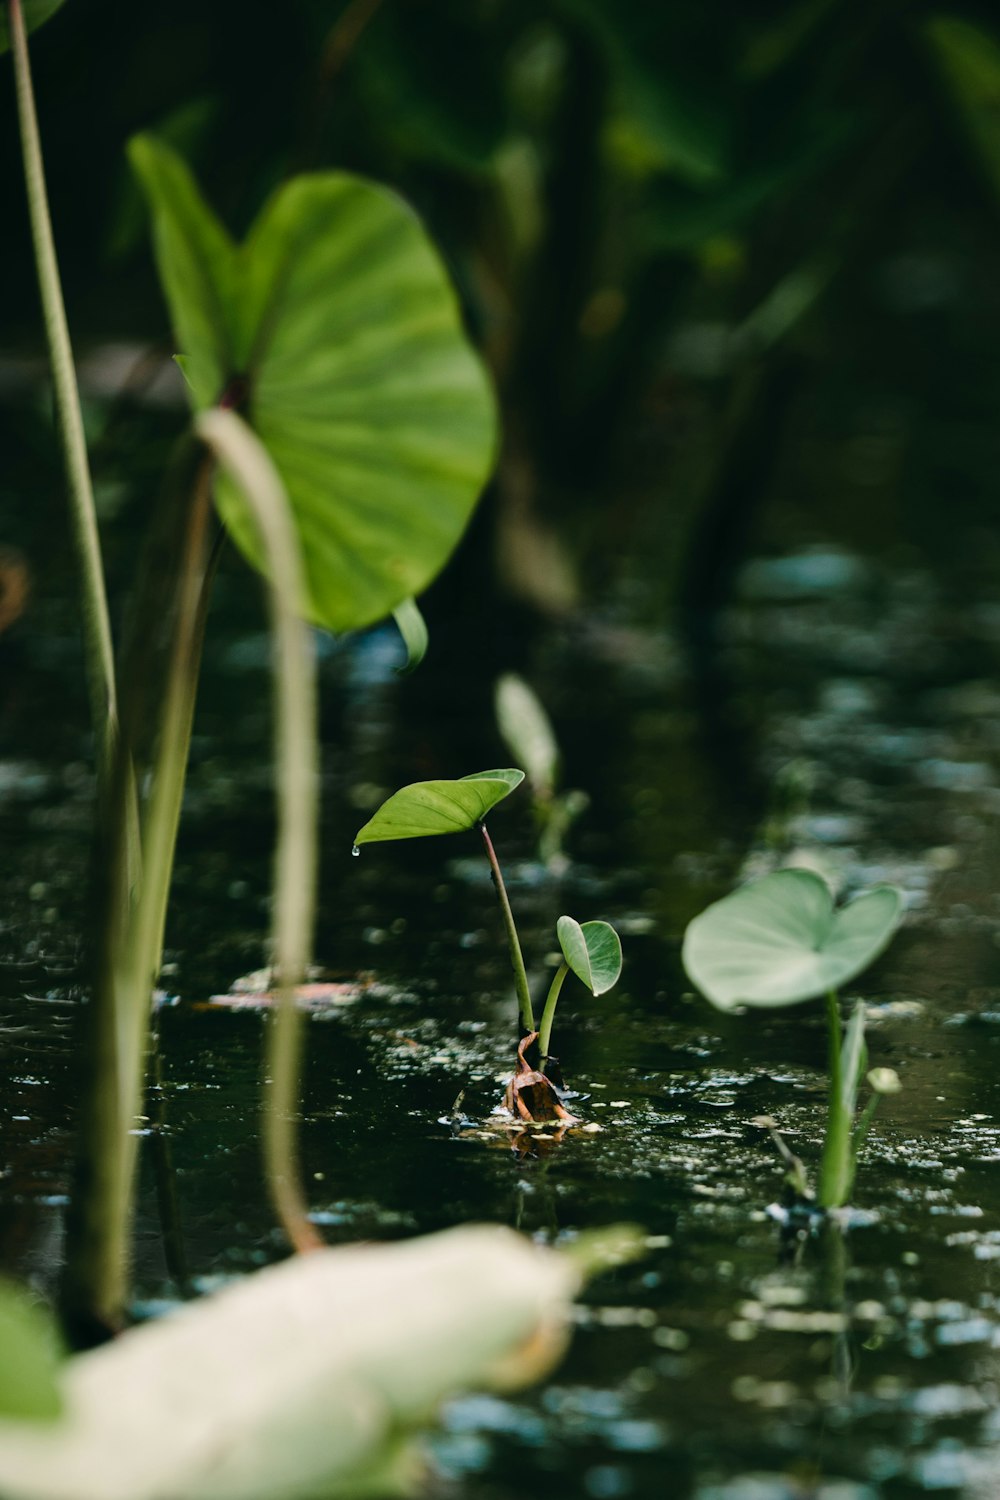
[
  {"x": 525, "y": 1011},
  {"x": 130, "y": 933},
  {"x": 131, "y": 921},
  {"x": 835, "y": 1171},
  {"x": 548, "y": 1014},
  {"x": 99, "y": 654}
]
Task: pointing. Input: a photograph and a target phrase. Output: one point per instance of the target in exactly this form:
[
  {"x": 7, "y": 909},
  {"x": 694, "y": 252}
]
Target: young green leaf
[
  {"x": 780, "y": 940},
  {"x": 432, "y": 807},
  {"x": 526, "y": 731},
  {"x": 853, "y": 1061},
  {"x": 336, "y": 331},
  {"x": 30, "y": 1358},
  {"x": 884, "y": 1081},
  {"x": 35, "y": 13},
  {"x": 413, "y": 628},
  {"x": 593, "y": 951}
]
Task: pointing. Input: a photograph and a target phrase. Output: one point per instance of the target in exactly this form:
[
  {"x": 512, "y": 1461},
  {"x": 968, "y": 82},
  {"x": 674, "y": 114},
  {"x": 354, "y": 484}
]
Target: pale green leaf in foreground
[
  {"x": 35, "y": 13},
  {"x": 593, "y": 951},
  {"x": 30, "y": 1358},
  {"x": 335, "y": 330},
  {"x": 300, "y": 1380},
  {"x": 781, "y": 940},
  {"x": 433, "y": 807}
]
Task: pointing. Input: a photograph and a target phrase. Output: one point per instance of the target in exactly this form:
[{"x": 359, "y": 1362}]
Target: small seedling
[
  {"x": 527, "y": 732},
  {"x": 591, "y": 950},
  {"x": 780, "y": 941}
]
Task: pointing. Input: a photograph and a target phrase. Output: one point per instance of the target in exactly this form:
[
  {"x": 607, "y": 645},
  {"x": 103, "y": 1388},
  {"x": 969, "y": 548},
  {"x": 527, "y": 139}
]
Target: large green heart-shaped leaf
[
  {"x": 430, "y": 807},
  {"x": 780, "y": 940},
  {"x": 593, "y": 951},
  {"x": 35, "y": 13},
  {"x": 336, "y": 331},
  {"x": 30, "y": 1358}
]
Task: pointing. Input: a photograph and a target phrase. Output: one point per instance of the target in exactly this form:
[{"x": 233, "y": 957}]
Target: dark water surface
[{"x": 718, "y": 1368}]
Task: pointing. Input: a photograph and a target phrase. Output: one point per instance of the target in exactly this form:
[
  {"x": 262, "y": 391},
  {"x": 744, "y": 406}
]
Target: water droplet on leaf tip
[{"x": 356, "y": 851}]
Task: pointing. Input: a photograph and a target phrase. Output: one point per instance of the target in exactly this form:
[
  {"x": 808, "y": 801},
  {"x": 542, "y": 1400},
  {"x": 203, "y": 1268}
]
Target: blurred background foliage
[{"x": 688, "y": 239}]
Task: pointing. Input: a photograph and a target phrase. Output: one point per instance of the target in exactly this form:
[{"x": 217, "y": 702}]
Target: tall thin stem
[
  {"x": 527, "y": 1015},
  {"x": 549, "y": 1013},
  {"x": 98, "y": 648},
  {"x": 131, "y": 920},
  {"x": 145, "y": 942},
  {"x": 834, "y": 1178}
]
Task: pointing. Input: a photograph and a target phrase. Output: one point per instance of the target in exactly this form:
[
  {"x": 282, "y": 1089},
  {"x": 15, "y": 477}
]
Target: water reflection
[{"x": 864, "y": 1368}]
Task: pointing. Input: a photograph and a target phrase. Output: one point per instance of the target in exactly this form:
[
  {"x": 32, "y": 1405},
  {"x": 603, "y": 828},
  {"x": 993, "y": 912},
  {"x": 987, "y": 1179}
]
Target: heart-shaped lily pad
[
  {"x": 593, "y": 951},
  {"x": 336, "y": 332},
  {"x": 431, "y": 807},
  {"x": 781, "y": 940}
]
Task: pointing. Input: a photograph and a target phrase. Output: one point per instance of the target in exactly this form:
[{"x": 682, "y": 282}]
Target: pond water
[{"x": 724, "y": 1365}]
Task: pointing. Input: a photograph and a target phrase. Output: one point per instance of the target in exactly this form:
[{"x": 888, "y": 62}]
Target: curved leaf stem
[
  {"x": 526, "y": 1013},
  {"x": 247, "y": 461},
  {"x": 834, "y": 1179},
  {"x": 98, "y": 650},
  {"x": 548, "y": 1014}
]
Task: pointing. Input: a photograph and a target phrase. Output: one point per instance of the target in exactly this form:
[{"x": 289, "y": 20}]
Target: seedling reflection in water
[
  {"x": 780, "y": 941},
  {"x": 590, "y": 950}
]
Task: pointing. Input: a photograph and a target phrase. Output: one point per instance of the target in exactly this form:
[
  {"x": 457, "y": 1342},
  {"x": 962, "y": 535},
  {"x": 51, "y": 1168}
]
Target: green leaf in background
[
  {"x": 36, "y": 12},
  {"x": 185, "y": 129},
  {"x": 335, "y": 329},
  {"x": 30, "y": 1358},
  {"x": 780, "y": 940},
  {"x": 671, "y": 106},
  {"x": 434, "y": 807},
  {"x": 970, "y": 60},
  {"x": 526, "y": 731},
  {"x": 593, "y": 951},
  {"x": 412, "y": 93},
  {"x": 197, "y": 263}
]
